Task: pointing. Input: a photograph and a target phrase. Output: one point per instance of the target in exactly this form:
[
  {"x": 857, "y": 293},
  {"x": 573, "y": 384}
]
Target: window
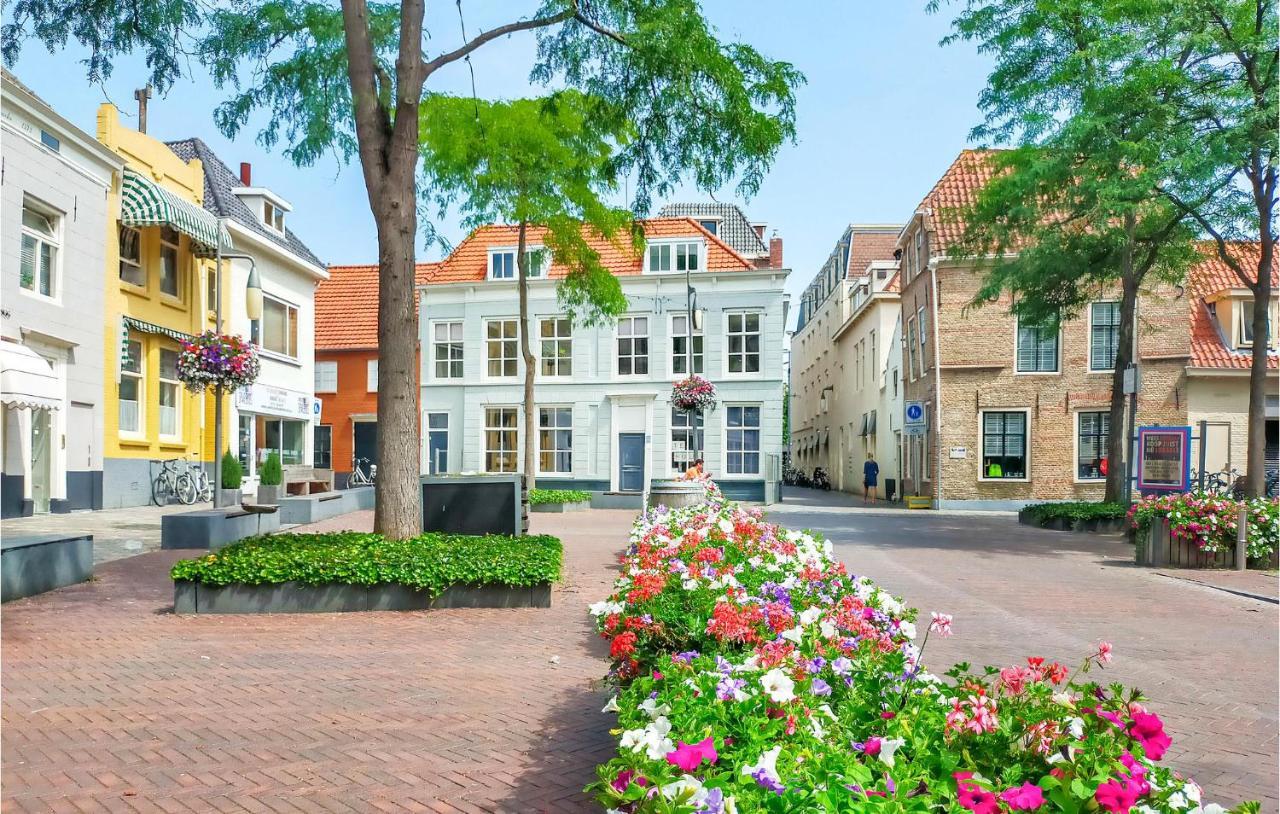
[
  {"x": 1104, "y": 334},
  {"x": 286, "y": 438},
  {"x": 501, "y": 347},
  {"x": 742, "y": 441},
  {"x": 502, "y": 263},
  {"x": 437, "y": 443},
  {"x": 679, "y": 346},
  {"x": 279, "y": 327},
  {"x": 500, "y": 436},
  {"x": 211, "y": 290},
  {"x": 744, "y": 342},
  {"x": 711, "y": 225},
  {"x": 1091, "y": 444},
  {"x": 1004, "y": 445},
  {"x": 322, "y": 446},
  {"x": 170, "y": 387},
  {"x": 665, "y": 257},
  {"x": 446, "y": 349},
  {"x": 39, "y": 264},
  {"x": 911, "y": 348},
  {"x": 874, "y": 360},
  {"x": 921, "y": 332},
  {"x": 1245, "y": 333},
  {"x": 686, "y": 438},
  {"x": 326, "y": 377},
  {"x": 273, "y": 216},
  {"x": 1037, "y": 350},
  {"x": 502, "y": 266},
  {"x": 131, "y": 388},
  {"x": 633, "y": 346},
  {"x": 131, "y": 256},
  {"x": 557, "y": 346},
  {"x": 371, "y": 376},
  {"x": 555, "y": 439},
  {"x": 169, "y": 277}
]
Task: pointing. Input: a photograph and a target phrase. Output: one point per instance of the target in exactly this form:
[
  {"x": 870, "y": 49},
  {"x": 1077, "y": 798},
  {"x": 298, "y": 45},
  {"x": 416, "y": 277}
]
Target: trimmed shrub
[
  {"x": 1072, "y": 511},
  {"x": 232, "y": 474},
  {"x": 271, "y": 473},
  {"x": 539, "y": 497}
]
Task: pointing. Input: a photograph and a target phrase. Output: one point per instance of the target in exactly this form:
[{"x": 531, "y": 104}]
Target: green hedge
[
  {"x": 538, "y": 497},
  {"x": 431, "y": 562},
  {"x": 1079, "y": 510}
]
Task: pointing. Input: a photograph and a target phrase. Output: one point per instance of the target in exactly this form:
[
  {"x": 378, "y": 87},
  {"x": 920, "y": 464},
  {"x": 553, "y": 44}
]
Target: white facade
[
  {"x": 605, "y": 419},
  {"x": 54, "y": 224}
]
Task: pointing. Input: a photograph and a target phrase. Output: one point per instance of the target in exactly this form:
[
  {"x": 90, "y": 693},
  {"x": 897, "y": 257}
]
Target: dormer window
[
  {"x": 674, "y": 256},
  {"x": 712, "y": 225},
  {"x": 502, "y": 263},
  {"x": 1244, "y": 325},
  {"x": 273, "y": 216}
]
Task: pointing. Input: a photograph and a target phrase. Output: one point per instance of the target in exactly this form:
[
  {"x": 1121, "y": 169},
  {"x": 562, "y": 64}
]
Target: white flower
[
  {"x": 1177, "y": 800},
  {"x": 651, "y": 706},
  {"x": 1213, "y": 808},
  {"x": 825, "y": 709},
  {"x": 828, "y": 629},
  {"x": 726, "y": 526},
  {"x": 605, "y": 608},
  {"x": 816, "y": 727},
  {"x": 779, "y": 686},
  {"x": 1064, "y": 699},
  {"x": 690, "y": 584},
  {"x": 1193, "y": 792},
  {"x": 907, "y": 629},
  {"x": 887, "y": 747},
  {"x": 1076, "y": 727},
  {"x": 686, "y": 788},
  {"x": 810, "y": 615},
  {"x": 767, "y": 765},
  {"x": 653, "y": 739},
  {"x": 612, "y": 706},
  {"x": 795, "y": 634}
]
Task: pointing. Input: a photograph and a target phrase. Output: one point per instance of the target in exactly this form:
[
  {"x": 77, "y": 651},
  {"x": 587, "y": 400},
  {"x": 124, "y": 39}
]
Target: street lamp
[
  {"x": 693, "y": 319},
  {"x": 253, "y": 308}
]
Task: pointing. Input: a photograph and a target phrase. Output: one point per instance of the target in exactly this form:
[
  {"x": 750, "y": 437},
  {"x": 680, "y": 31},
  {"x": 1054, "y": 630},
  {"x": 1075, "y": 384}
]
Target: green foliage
[
  {"x": 431, "y": 562},
  {"x": 232, "y": 473},
  {"x": 271, "y": 473},
  {"x": 1075, "y": 510},
  {"x": 538, "y": 497}
]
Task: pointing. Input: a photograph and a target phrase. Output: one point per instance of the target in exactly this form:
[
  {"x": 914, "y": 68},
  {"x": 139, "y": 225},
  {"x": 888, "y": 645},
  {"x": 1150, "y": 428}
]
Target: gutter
[{"x": 937, "y": 375}]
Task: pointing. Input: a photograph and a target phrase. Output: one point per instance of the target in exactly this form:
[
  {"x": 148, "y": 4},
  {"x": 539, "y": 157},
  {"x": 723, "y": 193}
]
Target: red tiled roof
[
  {"x": 1210, "y": 277},
  {"x": 869, "y": 246},
  {"x": 347, "y": 306},
  {"x": 470, "y": 260},
  {"x": 956, "y": 189}
]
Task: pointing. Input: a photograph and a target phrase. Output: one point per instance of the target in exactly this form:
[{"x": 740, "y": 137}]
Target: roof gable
[
  {"x": 735, "y": 230},
  {"x": 347, "y": 306},
  {"x": 1210, "y": 346}
]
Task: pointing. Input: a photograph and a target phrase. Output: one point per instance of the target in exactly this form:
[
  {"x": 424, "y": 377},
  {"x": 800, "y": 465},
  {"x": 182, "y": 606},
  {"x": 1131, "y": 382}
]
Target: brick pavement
[
  {"x": 117, "y": 533},
  {"x": 111, "y": 703}
]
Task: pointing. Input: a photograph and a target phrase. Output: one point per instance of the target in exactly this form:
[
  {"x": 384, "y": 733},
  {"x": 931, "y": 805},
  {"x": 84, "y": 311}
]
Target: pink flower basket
[
  {"x": 211, "y": 360},
  {"x": 693, "y": 394}
]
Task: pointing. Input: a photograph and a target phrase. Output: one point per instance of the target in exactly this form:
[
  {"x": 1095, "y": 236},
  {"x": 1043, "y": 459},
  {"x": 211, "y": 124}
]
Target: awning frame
[{"x": 143, "y": 202}]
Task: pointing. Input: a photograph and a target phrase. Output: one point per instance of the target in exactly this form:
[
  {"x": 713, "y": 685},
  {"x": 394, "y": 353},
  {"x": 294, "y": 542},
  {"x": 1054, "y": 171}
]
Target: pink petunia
[
  {"x": 689, "y": 756},
  {"x": 1026, "y": 797},
  {"x": 1116, "y": 797},
  {"x": 1148, "y": 729},
  {"x": 941, "y": 624}
]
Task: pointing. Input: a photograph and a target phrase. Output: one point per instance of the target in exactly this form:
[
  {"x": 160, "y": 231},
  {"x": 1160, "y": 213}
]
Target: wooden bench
[{"x": 306, "y": 480}]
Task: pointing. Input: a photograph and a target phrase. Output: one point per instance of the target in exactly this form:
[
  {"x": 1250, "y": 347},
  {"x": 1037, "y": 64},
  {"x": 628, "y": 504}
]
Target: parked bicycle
[
  {"x": 173, "y": 482},
  {"x": 201, "y": 481},
  {"x": 1227, "y": 483},
  {"x": 362, "y": 476},
  {"x": 821, "y": 480}
]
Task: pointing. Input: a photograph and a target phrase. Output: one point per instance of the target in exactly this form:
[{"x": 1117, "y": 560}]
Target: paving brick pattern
[{"x": 111, "y": 703}]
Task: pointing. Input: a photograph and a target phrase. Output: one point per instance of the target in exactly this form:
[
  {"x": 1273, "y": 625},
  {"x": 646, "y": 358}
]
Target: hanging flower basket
[
  {"x": 693, "y": 394},
  {"x": 213, "y": 359}
]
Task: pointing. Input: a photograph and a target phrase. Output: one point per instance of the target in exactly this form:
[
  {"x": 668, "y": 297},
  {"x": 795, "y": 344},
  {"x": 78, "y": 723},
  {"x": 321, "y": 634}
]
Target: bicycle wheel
[
  {"x": 161, "y": 489},
  {"x": 204, "y": 489},
  {"x": 185, "y": 488}
]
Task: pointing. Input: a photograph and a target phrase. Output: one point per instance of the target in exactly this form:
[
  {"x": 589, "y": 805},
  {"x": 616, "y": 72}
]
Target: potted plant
[
  {"x": 693, "y": 394},
  {"x": 270, "y": 480},
  {"x": 232, "y": 475}
]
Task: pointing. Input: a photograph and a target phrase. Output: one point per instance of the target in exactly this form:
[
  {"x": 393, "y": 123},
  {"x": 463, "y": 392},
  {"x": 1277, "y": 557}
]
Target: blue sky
[{"x": 884, "y": 112}]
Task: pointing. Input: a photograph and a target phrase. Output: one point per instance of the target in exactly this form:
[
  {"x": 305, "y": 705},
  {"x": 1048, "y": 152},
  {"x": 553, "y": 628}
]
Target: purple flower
[
  {"x": 820, "y": 687},
  {"x": 815, "y": 664},
  {"x": 842, "y": 666},
  {"x": 686, "y": 657},
  {"x": 713, "y": 803},
  {"x": 729, "y": 689},
  {"x": 762, "y": 777}
]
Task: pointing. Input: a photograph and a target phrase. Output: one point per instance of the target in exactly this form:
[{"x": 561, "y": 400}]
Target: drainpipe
[{"x": 937, "y": 377}]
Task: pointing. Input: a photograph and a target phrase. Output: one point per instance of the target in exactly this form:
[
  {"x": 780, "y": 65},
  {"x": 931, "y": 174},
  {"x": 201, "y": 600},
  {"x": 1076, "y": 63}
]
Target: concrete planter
[
  {"x": 31, "y": 564},
  {"x": 270, "y": 495},
  {"x": 297, "y": 597},
  {"x": 214, "y": 528},
  {"x": 557, "y": 508},
  {"x": 1115, "y": 525},
  {"x": 230, "y": 497},
  {"x": 675, "y": 494}
]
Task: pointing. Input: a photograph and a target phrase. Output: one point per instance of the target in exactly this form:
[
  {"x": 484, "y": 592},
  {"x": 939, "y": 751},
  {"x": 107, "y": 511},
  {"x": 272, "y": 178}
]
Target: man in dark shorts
[{"x": 870, "y": 478}]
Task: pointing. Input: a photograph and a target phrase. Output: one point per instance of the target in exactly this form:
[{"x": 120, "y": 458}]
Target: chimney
[
  {"x": 142, "y": 95},
  {"x": 775, "y": 251},
  {"x": 759, "y": 227},
  {"x": 246, "y": 174}
]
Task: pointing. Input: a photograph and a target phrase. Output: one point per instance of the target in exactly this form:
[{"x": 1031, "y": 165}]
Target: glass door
[{"x": 41, "y": 460}]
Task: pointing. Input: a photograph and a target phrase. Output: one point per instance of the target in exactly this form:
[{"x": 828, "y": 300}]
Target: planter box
[
  {"x": 1096, "y": 525},
  {"x": 303, "y": 509},
  {"x": 31, "y": 564},
  {"x": 214, "y": 528},
  {"x": 675, "y": 494},
  {"x": 555, "y": 508},
  {"x": 230, "y": 497},
  {"x": 1160, "y": 548},
  {"x": 269, "y": 495},
  {"x": 296, "y": 597}
]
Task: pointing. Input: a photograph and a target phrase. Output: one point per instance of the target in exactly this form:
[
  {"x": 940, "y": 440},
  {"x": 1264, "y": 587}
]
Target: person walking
[{"x": 870, "y": 479}]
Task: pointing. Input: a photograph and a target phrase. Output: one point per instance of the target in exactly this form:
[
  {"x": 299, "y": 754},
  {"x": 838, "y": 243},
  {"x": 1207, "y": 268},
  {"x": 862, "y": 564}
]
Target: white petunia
[
  {"x": 778, "y": 685},
  {"x": 684, "y": 789},
  {"x": 907, "y": 629},
  {"x": 810, "y": 615},
  {"x": 828, "y": 629},
  {"x": 612, "y": 706},
  {"x": 605, "y": 608},
  {"x": 887, "y": 748},
  {"x": 1076, "y": 727},
  {"x": 766, "y": 765},
  {"x": 651, "y": 706},
  {"x": 795, "y": 634},
  {"x": 1177, "y": 800}
]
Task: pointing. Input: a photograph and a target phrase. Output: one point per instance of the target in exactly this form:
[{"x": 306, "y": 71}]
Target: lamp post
[
  {"x": 253, "y": 309},
  {"x": 692, "y": 315}
]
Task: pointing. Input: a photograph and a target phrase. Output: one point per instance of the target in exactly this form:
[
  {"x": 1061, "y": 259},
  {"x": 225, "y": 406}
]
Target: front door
[
  {"x": 437, "y": 443},
  {"x": 631, "y": 461},
  {"x": 41, "y": 460},
  {"x": 366, "y": 441}
]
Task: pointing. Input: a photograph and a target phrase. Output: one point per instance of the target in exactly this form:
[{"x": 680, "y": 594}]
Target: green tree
[
  {"x": 351, "y": 79},
  {"x": 546, "y": 164},
  {"x": 1182, "y": 94}
]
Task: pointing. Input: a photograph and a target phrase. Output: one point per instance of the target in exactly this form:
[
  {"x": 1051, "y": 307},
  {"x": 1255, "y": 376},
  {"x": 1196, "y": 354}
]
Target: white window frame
[
  {"x": 54, "y": 241},
  {"x": 1089, "y": 368},
  {"x": 427, "y": 430},
  {"x": 673, "y": 246},
  {"x": 484, "y": 437},
  {"x": 1026, "y": 411},
  {"x": 1057, "y": 359},
  {"x": 538, "y": 255},
  {"x": 1075, "y": 444},
  {"x": 273, "y": 216},
  {"x": 556, "y": 429},
  {"x": 691, "y": 434},
  {"x": 176, "y": 246},
  {"x": 1238, "y": 313},
  {"x": 168, "y": 381},
  {"x": 371, "y": 376},
  {"x": 141, "y": 401},
  {"x": 134, "y": 263},
  {"x": 502, "y": 357},
  {"x": 437, "y": 344},
  {"x": 759, "y": 333},
  {"x": 724, "y": 441},
  {"x": 921, "y": 334},
  {"x": 699, "y": 356},
  {"x": 322, "y": 378},
  {"x": 291, "y": 312},
  {"x": 555, "y": 340},
  {"x": 617, "y": 349},
  {"x": 911, "y": 348}
]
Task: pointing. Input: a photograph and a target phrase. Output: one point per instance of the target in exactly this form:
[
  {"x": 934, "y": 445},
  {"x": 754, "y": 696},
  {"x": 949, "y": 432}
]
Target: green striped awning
[
  {"x": 151, "y": 328},
  {"x": 143, "y": 202}
]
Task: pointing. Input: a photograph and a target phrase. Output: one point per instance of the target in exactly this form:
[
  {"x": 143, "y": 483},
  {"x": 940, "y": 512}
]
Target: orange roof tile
[
  {"x": 956, "y": 189},
  {"x": 347, "y": 306},
  {"x": 1212, "y": 276},
  {"x": 470, "y": 259},
  {"x": 868, "y": 246}
]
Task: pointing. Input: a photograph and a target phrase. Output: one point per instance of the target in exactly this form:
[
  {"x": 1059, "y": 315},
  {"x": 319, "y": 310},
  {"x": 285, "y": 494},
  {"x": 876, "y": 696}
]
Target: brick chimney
[
  {"x": 775, "y": 251},
  {"x": 246, "y": 174}
]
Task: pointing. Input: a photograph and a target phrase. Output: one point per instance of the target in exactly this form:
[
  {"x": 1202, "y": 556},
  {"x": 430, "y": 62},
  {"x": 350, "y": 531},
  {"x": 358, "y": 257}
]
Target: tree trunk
[
  {"x": 530, "y": 365},
  {"x": 1256, "y": 465},
  {"x": 1118, "y": 488}
]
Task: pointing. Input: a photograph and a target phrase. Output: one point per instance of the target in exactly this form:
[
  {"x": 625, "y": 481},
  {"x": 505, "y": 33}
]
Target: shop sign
[
  {"x": 1164, "y": 459},
  {"x": 277, "y": 401}
]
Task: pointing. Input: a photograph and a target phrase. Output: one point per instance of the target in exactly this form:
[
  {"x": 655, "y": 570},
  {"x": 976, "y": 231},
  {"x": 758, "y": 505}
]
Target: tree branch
[{"x": 493, "y": 34}]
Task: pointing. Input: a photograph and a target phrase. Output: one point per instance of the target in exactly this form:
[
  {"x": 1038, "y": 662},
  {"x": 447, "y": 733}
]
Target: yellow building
[{"x": 159, "y": 284}]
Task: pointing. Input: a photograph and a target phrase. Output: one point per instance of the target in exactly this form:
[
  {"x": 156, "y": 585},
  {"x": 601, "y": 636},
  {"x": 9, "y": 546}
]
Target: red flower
[{"x": 623, "y": 645}]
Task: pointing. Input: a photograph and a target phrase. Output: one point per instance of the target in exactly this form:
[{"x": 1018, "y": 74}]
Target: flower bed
[
  {"x": 755, "y": 674},
  {"x": 541, "y": 497},
  {"x": 1075, "y": 516},
  {"x": 1209, "y": 522}
]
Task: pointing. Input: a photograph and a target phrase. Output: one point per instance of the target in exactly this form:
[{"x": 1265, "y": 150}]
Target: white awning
[{"x": 26, "y": 380}]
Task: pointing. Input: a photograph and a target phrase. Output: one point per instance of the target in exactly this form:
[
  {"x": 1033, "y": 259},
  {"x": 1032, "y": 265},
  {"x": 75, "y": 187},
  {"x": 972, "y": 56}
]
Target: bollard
[{"x": 1242, "y": 538}]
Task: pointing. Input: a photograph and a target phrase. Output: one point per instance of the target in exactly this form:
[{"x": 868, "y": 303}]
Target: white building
[
  {"x": 277, "y": 412},
  {"x": 54, "y": 219},
  {"x": 605, "y": 419}
]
